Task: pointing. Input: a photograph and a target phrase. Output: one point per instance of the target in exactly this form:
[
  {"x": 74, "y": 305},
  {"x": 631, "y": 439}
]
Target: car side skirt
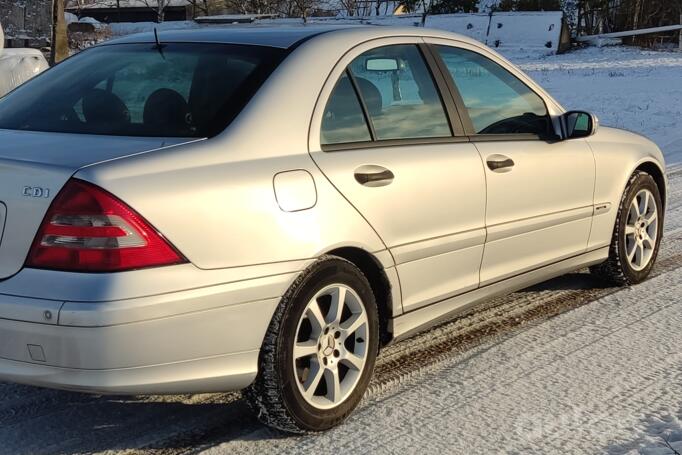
[{"x": 421, "y": 319}]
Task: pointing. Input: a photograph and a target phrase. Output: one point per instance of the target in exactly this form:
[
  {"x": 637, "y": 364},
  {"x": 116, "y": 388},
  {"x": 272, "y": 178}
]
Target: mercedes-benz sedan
[{"x": 214, "y": 210}]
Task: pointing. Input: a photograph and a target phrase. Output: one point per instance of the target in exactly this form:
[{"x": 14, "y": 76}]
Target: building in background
[
  {"x": 111, "y": 11},
  {"x": 27, "y": 23}
]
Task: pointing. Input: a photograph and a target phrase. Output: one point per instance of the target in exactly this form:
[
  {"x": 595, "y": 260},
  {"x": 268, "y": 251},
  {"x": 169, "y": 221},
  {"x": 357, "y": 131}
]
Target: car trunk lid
[{"x": 35, "y": 166}]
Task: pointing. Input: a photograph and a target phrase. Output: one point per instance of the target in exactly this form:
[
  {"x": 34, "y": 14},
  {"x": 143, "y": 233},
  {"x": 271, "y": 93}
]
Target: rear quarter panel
[{"x": 219, "y": 208}]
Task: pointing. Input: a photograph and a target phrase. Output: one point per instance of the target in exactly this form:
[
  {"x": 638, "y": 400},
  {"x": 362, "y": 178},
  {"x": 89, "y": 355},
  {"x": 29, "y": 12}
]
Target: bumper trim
[{"x": 213, "y": 374}]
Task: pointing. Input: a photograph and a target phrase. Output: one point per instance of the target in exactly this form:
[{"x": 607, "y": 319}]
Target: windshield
[{"x": 182, "y": 90}]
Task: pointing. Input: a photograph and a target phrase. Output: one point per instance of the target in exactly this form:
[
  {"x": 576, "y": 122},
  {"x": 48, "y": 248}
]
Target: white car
[
  {"x": 18, "y": 66},
  {"x": 212, "y": 210}
]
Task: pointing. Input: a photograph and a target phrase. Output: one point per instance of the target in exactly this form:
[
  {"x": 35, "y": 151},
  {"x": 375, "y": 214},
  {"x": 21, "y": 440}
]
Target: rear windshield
[{"x": 181, "y": 90}]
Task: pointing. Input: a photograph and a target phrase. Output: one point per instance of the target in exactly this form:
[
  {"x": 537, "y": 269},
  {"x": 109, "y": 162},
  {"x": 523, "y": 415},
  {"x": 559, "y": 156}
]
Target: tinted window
[
  {"x": 186, "y": 90},
  {"x": 400, "y": 94},
  {"x": 343, "y": 119},
  {"x": 497, "y": 102}
]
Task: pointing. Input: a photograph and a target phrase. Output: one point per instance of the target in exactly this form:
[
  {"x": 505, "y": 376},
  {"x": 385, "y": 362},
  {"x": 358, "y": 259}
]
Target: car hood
[{"x": 610, "y": 134}]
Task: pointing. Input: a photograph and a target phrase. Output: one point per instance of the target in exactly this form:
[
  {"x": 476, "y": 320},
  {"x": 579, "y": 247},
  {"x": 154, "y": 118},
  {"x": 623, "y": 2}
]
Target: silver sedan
[{"x": 265, "y": 209}]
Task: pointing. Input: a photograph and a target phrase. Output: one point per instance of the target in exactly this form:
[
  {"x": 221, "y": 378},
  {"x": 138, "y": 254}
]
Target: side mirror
[
  {"x": 381, "y": 64},
  {"x": 577, "y": 124}
]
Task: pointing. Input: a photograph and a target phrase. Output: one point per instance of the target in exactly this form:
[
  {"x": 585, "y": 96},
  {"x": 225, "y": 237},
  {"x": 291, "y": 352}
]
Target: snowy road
[{"x": 568, "y": 366}]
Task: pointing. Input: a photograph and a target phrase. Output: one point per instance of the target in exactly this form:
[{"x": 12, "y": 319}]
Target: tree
[
  {"x": 287, "y": 8},
  {"x": 377, "y": 7},
  {"x": 529, "y": 5},
  {"x": 603, "y": 16},
  {"x": 257, "y": 6},
  {"x": 206, "y": 7},
  {"x": 570, "y": 9},
  {"x": 302, "y": 8},
  {"x": 427, "y": 7},
  {"x": 158, "y": 6},
  {"x": 350, "y": 7},
  {"x": 454, "y": 6},
  {"x": 60, "y": 44}
]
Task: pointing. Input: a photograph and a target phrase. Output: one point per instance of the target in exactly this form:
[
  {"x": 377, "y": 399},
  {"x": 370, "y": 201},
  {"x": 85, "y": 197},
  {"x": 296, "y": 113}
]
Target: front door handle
[
  {"x": 373, "y": 176},
  {"x": 499, "y": 163}
]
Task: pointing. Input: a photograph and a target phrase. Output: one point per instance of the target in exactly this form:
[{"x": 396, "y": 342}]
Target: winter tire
[
  {"x": 637, "y": 233},
  {"x": 319, "y": 351}
]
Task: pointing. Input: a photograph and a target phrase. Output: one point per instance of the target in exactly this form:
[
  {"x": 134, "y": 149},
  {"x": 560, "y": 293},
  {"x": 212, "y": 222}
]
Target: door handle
[
  {"x": 499, "y": 163},
  {"x": 373, "y": 176}
]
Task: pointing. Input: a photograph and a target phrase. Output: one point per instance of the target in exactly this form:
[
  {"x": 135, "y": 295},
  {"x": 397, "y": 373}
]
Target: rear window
[{"x": 182, "y": 90}]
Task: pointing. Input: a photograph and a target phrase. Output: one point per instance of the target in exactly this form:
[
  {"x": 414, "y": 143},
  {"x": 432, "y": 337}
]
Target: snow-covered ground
[
  {"x": 626, "y": 87},
  {"x": 568, "y": 366}
]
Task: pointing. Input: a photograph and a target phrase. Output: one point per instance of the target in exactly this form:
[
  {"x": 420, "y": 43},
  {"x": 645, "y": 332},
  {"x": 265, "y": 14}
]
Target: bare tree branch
[{"x": 158, "y": 6}]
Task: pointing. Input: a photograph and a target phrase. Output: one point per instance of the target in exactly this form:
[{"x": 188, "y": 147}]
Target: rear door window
[
  {"x": 398, "y": 99},
  {"x": 343, "y": 120},
  {"x": 400, "y": 94}
]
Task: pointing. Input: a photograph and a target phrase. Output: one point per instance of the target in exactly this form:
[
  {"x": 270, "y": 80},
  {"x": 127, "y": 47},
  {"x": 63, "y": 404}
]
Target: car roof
[
  {"x": 281, "y": 37},
  {"x": 284, "y": 37}
]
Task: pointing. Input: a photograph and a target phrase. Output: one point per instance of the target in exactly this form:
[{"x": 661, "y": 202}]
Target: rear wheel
[
  {"x": 319, "y": 351},
  {"x": 637, "y": 233}
]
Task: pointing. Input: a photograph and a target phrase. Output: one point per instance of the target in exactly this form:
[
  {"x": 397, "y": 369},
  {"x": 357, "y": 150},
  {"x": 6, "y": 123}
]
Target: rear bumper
[
  {"x": 198, "y": 340},
  {"x": 216, "y": 374},
  {"x": 207, "y": 351}
]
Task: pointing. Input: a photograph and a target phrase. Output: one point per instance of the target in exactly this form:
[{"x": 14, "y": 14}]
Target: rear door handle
[
  {"x": 499, "y": 163},
  {"x": 373, "y": 176}
]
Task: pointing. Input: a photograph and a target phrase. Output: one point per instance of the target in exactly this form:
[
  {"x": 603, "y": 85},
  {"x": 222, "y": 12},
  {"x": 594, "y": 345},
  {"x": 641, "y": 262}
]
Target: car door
[
  {"x": 386, "y": 140},
  {"x": 540, "y": 189}
]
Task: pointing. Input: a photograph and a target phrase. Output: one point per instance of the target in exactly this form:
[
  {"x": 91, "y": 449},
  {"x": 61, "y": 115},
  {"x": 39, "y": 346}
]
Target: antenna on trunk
[{"x": 158, "y": 45}]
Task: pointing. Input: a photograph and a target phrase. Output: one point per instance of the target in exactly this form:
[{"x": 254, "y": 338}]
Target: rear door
[
  {"x": 393, "y": 147},
  {"x": 540, "y": 190}
]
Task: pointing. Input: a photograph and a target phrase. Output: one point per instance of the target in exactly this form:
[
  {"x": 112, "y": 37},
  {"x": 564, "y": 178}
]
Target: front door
[{"x": 540, "y": 190}]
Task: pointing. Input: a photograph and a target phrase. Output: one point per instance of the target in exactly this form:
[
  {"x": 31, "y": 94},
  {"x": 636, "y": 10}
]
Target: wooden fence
[{"x": 27, "y": 23}]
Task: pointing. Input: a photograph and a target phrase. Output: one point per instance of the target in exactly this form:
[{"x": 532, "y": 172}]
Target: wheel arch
[
  {"x": 654, "y": 170},
  {"x": 379, "y": 280}
]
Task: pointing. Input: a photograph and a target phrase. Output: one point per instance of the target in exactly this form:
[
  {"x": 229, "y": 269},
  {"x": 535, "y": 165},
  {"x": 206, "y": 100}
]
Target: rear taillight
[{"x": 88, "y": 229}]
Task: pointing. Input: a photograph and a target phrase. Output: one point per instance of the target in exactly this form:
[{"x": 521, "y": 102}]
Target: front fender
[{"x": 617, "y": 155}]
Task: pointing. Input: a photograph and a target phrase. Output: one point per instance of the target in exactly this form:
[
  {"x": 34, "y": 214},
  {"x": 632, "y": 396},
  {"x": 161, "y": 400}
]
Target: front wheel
[
  {"x": 636, "y": 235},
  {"x": 319, "y": 352}
]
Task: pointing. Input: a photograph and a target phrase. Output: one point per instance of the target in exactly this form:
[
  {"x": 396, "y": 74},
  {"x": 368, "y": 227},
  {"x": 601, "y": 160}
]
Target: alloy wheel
[
  {"x": 331, "y": 346},
  {"x": 641, "y": 230}
]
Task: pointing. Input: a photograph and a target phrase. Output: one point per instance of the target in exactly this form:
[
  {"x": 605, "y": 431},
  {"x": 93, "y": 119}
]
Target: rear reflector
[{"x": 88, "y": 229}]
